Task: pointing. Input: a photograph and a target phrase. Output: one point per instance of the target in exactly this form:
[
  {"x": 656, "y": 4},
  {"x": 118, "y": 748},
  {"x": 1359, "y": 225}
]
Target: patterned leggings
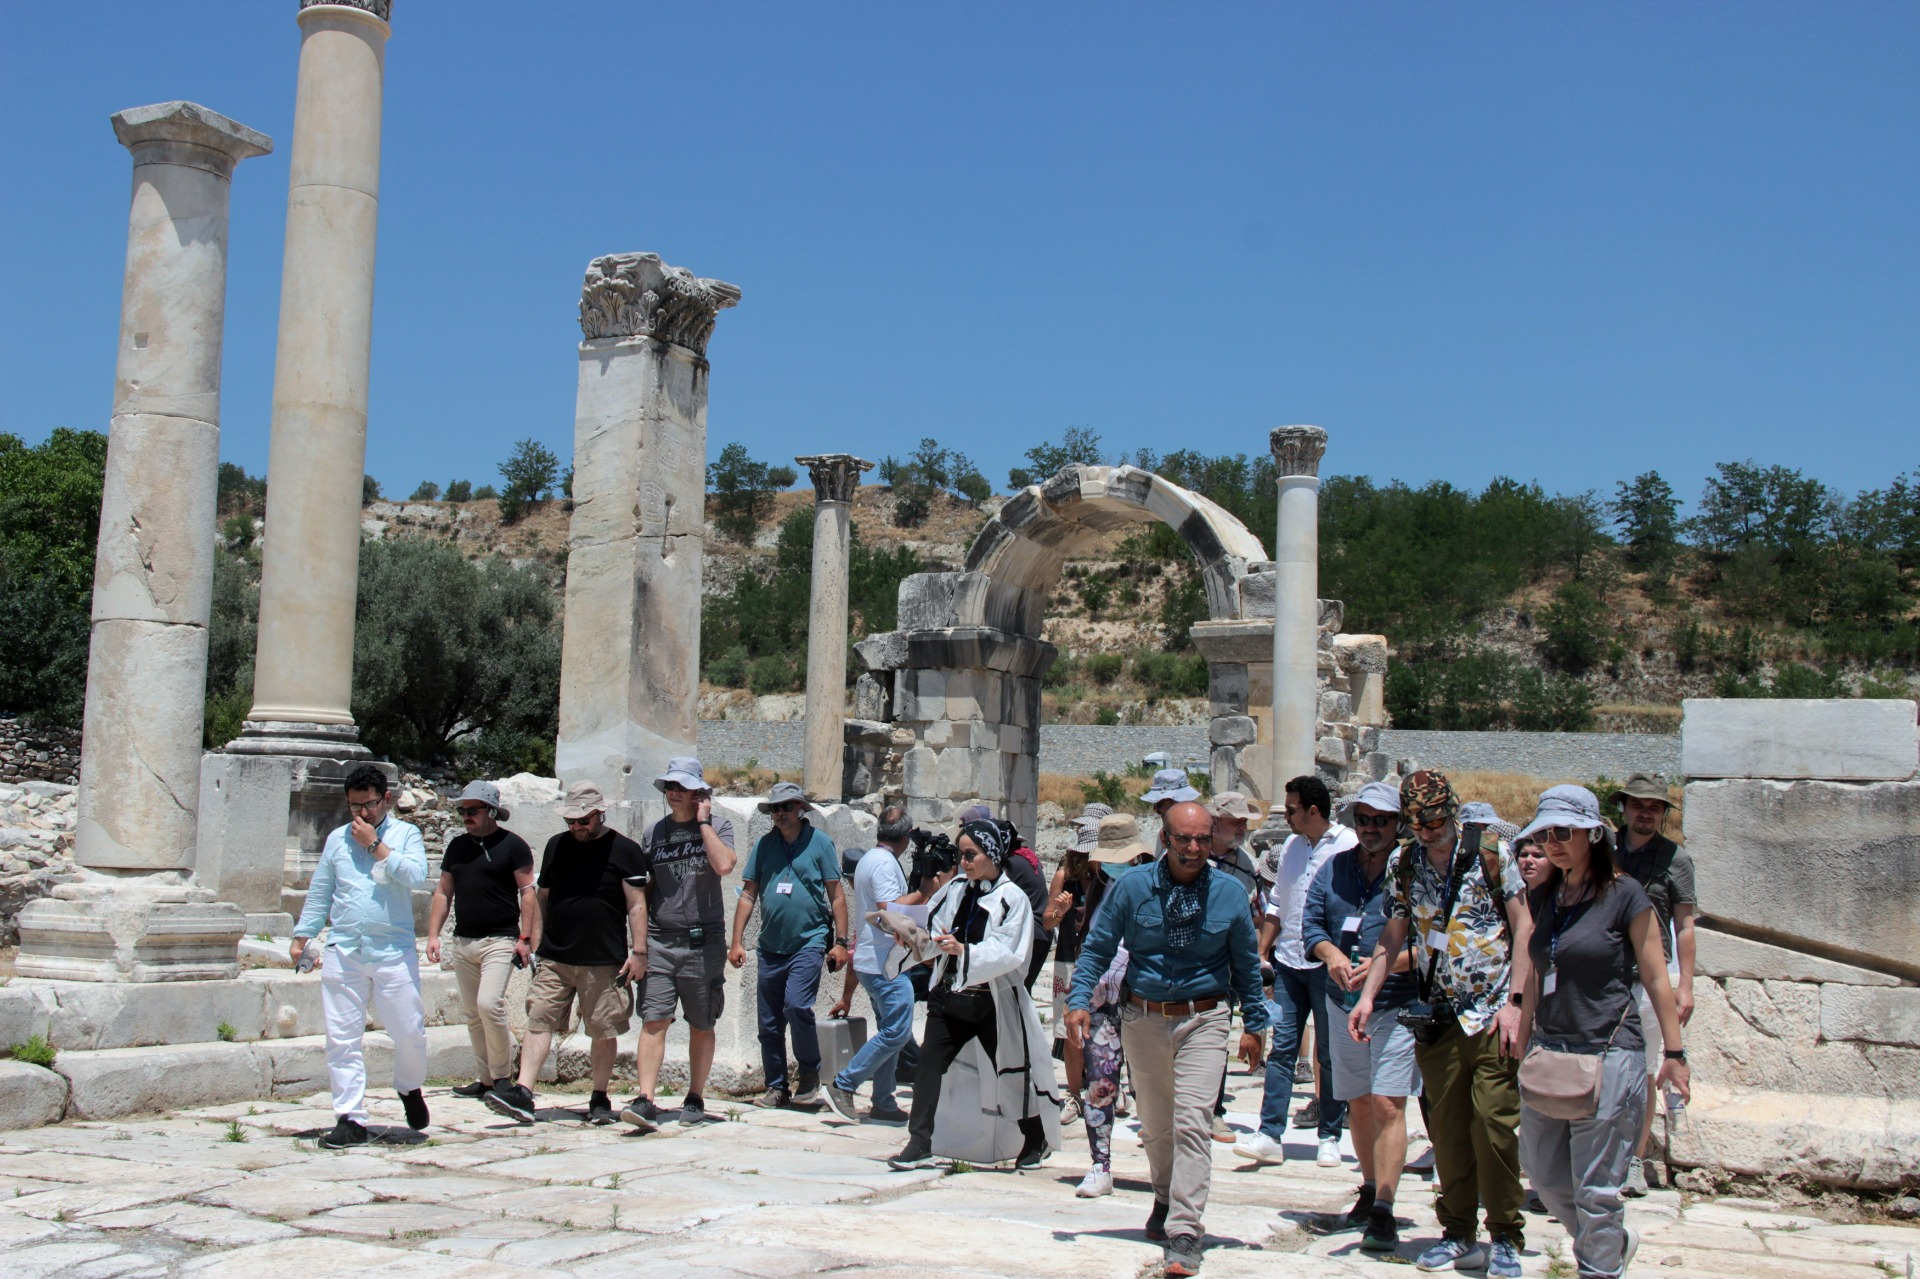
[{"x": 1102, "y": 1074}]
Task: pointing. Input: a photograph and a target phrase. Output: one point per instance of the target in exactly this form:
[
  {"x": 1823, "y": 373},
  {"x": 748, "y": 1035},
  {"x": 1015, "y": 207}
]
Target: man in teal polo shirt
[{"x": 794, "y": 875}]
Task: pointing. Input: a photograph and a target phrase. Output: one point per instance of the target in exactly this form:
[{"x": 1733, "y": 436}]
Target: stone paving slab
[{"x": 758, "y": 1196}]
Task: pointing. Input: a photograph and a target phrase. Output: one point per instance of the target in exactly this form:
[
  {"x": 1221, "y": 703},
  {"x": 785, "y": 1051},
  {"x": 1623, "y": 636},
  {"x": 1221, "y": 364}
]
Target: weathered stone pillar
[
  {"x": 138, "y": 918},
  {"x": 309, "y": 573},
  {"x": 630, "y": 653},
  {"x": 1296, "y": 553},
  {"x": 835, "y": 477}
]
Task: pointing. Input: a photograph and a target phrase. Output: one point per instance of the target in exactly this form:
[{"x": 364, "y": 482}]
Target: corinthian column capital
[
  {"x": 1297, "y": 450},
  {"x": 835, "y": 475},
  {"x": 629, "y": 295}
]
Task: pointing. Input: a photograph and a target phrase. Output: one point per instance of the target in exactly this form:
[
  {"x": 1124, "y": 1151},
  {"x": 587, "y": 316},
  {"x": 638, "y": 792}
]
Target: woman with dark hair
[
  {"x": 983, "y": 925},
  {"x": 1594, "y": 940}
]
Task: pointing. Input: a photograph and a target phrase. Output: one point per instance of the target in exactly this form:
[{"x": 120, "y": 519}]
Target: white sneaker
[
  {"x": 1329, "y": 1156},
  {"x": 1423, "y": 1162},
  {"x": 1261, "y": 1149},
  {"x": 1097, "y": 1182}
]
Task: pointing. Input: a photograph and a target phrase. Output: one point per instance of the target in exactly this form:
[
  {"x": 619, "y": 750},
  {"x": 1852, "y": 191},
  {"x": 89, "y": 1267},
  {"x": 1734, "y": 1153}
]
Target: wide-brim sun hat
[
  {"x": 1233, "y": 804},
  {"x": 1642, "y": 786},
  {"x": 685, "y": 770},
  {"x": 1565, "y": 805},
  {"x": 784, "y": 793},
  {"x": 1117, "y": 840},
  {"x": 487, "y": 793},
  {"x": 1170, "y": 783},
  {"x": 583, "y": 799}
]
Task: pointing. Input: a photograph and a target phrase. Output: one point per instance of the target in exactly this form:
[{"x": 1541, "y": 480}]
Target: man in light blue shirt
[
  {"x": 878, "y": 882},
  {"x": 362, "y": 894}
]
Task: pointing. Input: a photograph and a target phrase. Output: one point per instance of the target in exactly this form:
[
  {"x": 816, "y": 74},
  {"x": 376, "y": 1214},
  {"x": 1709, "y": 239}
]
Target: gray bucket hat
[
  {"x": 1170, "y": 783},
  {"x": 685, "y": 770},
  {"x": 487, "y": 793},
  {"x": 1381, "y": 797},
  {"x": 784, "y": 793},
  {"x": 1568, "y": 806}
]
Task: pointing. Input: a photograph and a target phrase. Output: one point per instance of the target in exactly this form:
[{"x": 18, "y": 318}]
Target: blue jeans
[
  {"x": 892, "y": 1027},
  {"x": 1298, "y": 993},
  {"x": 787, "y": 987}
]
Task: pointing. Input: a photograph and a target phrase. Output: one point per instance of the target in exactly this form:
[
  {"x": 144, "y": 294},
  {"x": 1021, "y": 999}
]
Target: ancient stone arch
[{"x": 956, "y": 689}]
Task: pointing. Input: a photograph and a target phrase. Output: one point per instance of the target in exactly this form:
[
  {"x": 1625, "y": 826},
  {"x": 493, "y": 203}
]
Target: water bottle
[{"x": 1675, "y": 1102}]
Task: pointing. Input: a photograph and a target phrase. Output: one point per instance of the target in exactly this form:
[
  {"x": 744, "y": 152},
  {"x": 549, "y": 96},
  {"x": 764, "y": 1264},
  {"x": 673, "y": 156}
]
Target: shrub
[
  {"x": 1171, "y": 674},
  {"x": 728, "y": 669},
  {"x": 773, "y": 673},
  {"x": 35, "y": 1051},
  {"x": 743, "y": 491},
  {"x": 1103, "y": 669},
  {"x": 1105, "y": 788},
  {"x": 1576, "y": 628}
]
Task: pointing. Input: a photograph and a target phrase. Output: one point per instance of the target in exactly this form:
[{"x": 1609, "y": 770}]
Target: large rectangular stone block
[
  {"x": 242, "y": 851},
  {"x": 1831, "y": 868},
  {"x": 1721, "y": 954},
  {"x": 135, "y": 1081},
  {"x": 1833, "y": 739},
  {"x": 1873, "y": 1015}
]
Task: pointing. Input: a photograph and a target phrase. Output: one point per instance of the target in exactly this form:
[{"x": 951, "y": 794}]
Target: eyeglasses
[
  {"x": 1190, "y": 840},
  {"x": 365, "y": 805},
  {"x": 1382, "y": 820}
]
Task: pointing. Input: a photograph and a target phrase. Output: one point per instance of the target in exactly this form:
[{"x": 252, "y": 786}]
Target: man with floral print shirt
[{"x": 1458, "y": 896}]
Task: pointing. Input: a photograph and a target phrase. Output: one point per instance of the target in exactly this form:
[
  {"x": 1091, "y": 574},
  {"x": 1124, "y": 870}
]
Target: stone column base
[{"x": 130, "y": 933}]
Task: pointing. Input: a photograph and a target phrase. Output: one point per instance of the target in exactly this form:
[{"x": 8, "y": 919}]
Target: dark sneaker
[
  {"x": 344, "y": 1133},
  {"x": 773, "y": 1099},
  {"x": 641, "y": 1114},
  {"x": 416, "y": 1107},
  {"x": 887, "y": 1115},
  {"x": 914, "y": 1156},
  {"x": 478, "y": 1088},
  {"x": 600, "y": 1110},
  {"x": 1157, "y": 1222},
  {"x": 843, "y": 1103},
  {"x": 1308, "y": 1116},
  {"x": 1033, "y": 1154},
  {"x": 1362, "y": 1209},
  {"x": 513, "y": 1101},
  {"x": 693, "y": 1110},
  {"x": 1183, "y": 1255},
  {"x": 1383, "y": 1233},
  {"x": 808, "y": 1093}
]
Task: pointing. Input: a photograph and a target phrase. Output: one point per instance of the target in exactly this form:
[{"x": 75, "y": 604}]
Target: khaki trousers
[
  {"x": 1176, "y": 1064},
  {"x": 482, "y": 966},
  {"x": 1473, "y": 1120}
]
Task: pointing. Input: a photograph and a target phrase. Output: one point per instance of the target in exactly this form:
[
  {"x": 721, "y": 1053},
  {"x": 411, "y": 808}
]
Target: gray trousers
[
  {"x": 1176, "y": 1063},
  {"x": 1579, "y": 1165}
]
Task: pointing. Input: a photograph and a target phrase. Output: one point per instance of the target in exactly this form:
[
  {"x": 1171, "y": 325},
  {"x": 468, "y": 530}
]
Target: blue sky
[{"x": 1565, "y": 243}]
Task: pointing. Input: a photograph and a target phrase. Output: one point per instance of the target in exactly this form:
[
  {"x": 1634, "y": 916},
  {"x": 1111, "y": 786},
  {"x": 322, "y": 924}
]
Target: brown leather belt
[{"x": 1177, "y": 1007}]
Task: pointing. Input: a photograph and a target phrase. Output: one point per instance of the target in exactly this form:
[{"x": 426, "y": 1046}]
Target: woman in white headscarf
[{"x": 983, "y": 925}]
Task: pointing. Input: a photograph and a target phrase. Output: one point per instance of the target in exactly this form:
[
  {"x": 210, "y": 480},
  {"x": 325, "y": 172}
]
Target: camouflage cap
[{"x": 1425, "y": 791}]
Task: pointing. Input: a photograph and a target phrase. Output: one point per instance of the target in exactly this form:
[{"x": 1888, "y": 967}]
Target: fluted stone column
[
  {"x": 630, "y": 653},
  {"x": 835, "y": 477},
  {"x": 137, "y": 917},
  {"x": 1296, "y": 595}
]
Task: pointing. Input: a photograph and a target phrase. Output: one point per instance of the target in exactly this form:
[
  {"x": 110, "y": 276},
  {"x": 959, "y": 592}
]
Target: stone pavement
[{"x": 242, "y": 1192}]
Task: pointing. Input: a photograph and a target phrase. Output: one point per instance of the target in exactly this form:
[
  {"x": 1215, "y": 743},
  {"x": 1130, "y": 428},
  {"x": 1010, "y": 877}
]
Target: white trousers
[{"x": 349, "y": 985}]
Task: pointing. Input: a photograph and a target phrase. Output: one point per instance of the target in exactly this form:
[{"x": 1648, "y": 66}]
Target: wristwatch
[
  {"x": 1518, "y": 999},
  {"x": 842, "y": 942},
  {"x": 1676, "y": 1054}
]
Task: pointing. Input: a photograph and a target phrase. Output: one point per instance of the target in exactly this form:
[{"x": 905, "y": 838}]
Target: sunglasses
[
  {"x": 1428, "y": 823},
  {"x": 675, "y": 788},
  {"x": 1383, "y": 820},
  {"x": 1560, "y": 834},
  {"x": 967, "y": 855},
  {"x": 1190, "y": 840},
  {"x": 788, "y": 807},
  {"x": 581, "y": 821},
  {"x": 472, "y": 810}
]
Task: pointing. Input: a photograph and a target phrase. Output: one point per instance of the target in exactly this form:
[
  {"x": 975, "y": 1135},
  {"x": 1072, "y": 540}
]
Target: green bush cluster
[{"x": 1484, "y": 688}]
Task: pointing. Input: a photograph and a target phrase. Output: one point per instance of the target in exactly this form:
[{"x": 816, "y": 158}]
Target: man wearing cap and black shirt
[
  {"x": 688, "y": 851},
  {"x": 486, "y": 875},
  {"x": 592, "y": 899},
  {"x": 1665, "y": 870},
  {"x": 793, "y": 875}
]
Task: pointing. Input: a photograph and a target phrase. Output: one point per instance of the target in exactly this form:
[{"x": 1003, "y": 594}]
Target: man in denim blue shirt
[
  {"x": 1190, "y": 940},
  {"x": 362, "y": 894}
]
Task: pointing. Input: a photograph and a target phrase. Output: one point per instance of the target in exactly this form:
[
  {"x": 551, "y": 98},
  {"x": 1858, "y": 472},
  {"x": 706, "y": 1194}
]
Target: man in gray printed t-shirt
[{"x": 691, "y": 850}]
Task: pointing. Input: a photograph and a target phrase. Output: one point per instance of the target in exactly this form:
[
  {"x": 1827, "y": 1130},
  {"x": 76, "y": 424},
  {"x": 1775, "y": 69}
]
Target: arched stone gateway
[{"x": 954, "y": 693}]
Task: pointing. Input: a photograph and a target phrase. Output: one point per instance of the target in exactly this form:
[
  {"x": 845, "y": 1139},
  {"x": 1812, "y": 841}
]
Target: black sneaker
[
  {"x": 1362, "y": 1210},
  {"x": 1183, "y": 1255},
  {"x": 477, "y": 1088},
  {"x": 642, "y": 1114},
  {"x": 887, "y": 1115},
  {"x": 1383, "y": 1234},
  {"x": 693, "y": 1110},
  {"x": 600, "y": 1110},
  {"x": 513, "y": 1101},
  {"x": 344, "y": 1133},
  {"x": 1308, "y": 1116},
  {"x": 1157, "y": 1222},
  {"x": 1033, "y": 1154},
  {"x": 416, "y": 1105},
  {"x": 916, "y": 1155},
  {"x": 808, "y": 1093}
]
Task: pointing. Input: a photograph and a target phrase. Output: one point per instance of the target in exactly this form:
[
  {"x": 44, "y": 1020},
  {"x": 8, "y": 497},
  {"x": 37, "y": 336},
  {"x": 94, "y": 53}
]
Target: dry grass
[
  {"x": 727, "y": 779},
  {"x": 1058, "y": 788},
  {"x": 1514, "y": 795}
]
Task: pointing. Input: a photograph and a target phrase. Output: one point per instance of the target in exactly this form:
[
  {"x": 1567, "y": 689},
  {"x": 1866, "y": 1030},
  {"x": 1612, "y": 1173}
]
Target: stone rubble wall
[
  {"x": 36, "y": 848},
  {"x": 44, "y": 754}
]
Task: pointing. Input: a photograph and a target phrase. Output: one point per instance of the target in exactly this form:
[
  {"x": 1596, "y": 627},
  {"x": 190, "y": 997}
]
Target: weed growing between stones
[
  {"x": 234, "y": 1131},
  {"x": 958, "y": 1167},
  {"x": 35, "y": 1051},
  {"x": 1558, "y": 1267},
  {"x": 225, "y": 1032}
]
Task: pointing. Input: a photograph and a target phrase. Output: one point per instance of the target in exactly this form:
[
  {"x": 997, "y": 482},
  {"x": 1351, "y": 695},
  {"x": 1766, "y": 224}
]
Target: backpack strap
[{"x": 1475, "y": 837}]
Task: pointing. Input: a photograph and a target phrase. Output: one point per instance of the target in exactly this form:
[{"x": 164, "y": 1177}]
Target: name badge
[
  {"x": 1351, "y": 924},
  {"x": 1437, "y": 940},
  {"x": 784, "y": 888},
  {"x": 1548, "y": 982}
]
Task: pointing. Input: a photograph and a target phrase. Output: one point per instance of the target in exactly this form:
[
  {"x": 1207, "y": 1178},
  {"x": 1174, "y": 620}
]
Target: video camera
[{"x": 932, "y": 855}]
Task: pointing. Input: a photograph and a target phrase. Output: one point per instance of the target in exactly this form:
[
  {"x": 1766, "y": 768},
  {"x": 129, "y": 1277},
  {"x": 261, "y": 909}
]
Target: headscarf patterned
[
  {"x": 1185, "y": 905},
  {"x": 990, "y": 838}
]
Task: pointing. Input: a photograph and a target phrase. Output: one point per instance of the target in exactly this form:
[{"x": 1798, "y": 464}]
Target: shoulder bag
[{"x": 1566, "y": 1085}]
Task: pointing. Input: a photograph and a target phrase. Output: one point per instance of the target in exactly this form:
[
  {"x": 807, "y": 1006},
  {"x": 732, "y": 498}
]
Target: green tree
[
  {"x": 1576, "y": 628},
  {"x": 448, "y": 649},
  {"x": 743, "y": 491},
  {"x": 1582, "y": 529},
  {"x": 530, "y": 472},
  {"x": 240, "y": 493},
  {"x": 49, "y": 527},
  {"x": 459, "y": 490},
  {"x": 1648, "y": 517},
  {"x": 1079, "y": 445},
  {"x": 369, "y": 490},
  {"x": 485, "y": 493},
  {"x": 426, "y": 491}
]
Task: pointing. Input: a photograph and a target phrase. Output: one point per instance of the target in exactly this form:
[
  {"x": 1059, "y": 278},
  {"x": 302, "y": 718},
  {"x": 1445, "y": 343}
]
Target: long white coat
[{"x": 981, "y": 1100}]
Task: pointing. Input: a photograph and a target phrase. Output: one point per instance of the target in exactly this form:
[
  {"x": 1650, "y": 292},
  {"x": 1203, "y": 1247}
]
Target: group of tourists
[{"x": 1529, "y": 986}]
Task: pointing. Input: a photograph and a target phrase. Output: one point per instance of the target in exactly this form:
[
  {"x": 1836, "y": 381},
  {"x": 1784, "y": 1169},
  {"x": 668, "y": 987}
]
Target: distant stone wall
[{"x": 42, "y": 754}]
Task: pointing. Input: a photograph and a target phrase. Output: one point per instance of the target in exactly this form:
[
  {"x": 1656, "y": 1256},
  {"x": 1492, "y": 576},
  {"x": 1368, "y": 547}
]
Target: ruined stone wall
[{"x": 45, "y": 754}]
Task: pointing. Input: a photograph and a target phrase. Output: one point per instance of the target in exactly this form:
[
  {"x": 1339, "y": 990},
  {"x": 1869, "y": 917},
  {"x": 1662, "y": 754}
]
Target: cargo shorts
[
  {"x": 605, "y": 1007},
  {"x": 692, "y": 977}
]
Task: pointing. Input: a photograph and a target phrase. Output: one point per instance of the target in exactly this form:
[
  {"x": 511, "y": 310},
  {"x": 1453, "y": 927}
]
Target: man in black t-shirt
[
  {"x": 592, "y": 899},
  {"x": 486, "y": 876},
  {"x": 689, "y": 850}
]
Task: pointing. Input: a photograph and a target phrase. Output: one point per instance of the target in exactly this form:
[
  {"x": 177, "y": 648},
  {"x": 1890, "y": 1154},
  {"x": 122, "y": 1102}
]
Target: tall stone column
[
  {"x": 309, "y": 573},
  {"x": 1296, "y": 595},
  {"x": 835, "y": 477},
  {"x": 137, "y": 917},
  {"x": 630, "y": 652}
]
